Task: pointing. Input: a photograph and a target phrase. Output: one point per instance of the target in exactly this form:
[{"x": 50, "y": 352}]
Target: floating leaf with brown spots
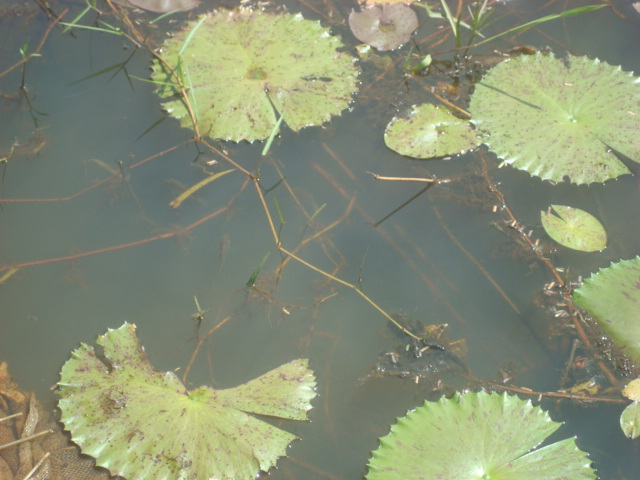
[
  {"x": 575, "y": 117},
  {"x": 430, "y": 131},
  {"x": 141, "y": 423},
  {"x": 612, "y": 297},
  {"x": 243, "y": 69}
]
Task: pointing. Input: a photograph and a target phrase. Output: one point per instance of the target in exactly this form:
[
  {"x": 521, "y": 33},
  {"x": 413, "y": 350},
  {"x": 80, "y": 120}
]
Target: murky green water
[{"x": 441, "y": 259}]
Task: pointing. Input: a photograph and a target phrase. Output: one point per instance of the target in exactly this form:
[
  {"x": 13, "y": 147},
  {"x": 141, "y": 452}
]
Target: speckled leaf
[
  {"x": 430, "y": 131},
  {"x": 385, "y": 27},
  {"x": 612, "y": 297},
  {"x": 630, "y": 420},
  {"x": 246, "y": 68},
  {"x": 557, "y": 118},
  {"x": 475, "y": 436},
  {"x": 141, "y": 423},
  {"x": 632, "y": 390},
  {"x": 574, "y": 228}
]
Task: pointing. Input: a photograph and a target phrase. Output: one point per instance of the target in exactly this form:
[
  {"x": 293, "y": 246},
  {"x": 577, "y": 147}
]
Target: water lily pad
[
  {"x": 430, "y": 131},
  {"x": 574, "y": 228},
  {"x": 630, "y": 420},
  {"x": 557, "y": 118},
  {"x": 384, "y": 27},
  {"x": 630, "y": 417},
  {"x": 612, "y": 297},
  {"x": 141, "y": 423},
  {"x": 477, "y": 436},
  {"x": 243, "y": 69},
  {"x": 632, "y": 390}
]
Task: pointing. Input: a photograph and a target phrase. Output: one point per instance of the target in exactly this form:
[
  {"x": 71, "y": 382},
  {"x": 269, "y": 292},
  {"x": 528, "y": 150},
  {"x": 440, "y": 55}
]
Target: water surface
[{"x": 434, "y": 260}]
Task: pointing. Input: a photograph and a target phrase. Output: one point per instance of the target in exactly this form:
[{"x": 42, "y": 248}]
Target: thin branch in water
[{"x": 404, "y": 204}]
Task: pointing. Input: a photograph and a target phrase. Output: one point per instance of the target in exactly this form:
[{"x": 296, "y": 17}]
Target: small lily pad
[
  {"x": 244, "y": 68},
  {"x": 477, "y": 436},
  {"x": 630, "y": 420},
  {"x": 557, "y": 118},
  {"x": 574, "y": 228},
  {"x": 430, "y": 131},
  {"x": 632, "y": 390},
  {"x": 612, "y": 297},
  {"x": 385, "y": 27},
  {"x": 141, "y": 423}
]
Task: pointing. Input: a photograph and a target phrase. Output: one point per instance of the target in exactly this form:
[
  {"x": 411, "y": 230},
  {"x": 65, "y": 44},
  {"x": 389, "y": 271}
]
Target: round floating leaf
[
  {"x": 632, "y": 390},
  {"x": 385, "y": 27},
  {"x": 243, "y": 69},
  {"x": 477, "y": 436},
  {"x": 630, "y": 420},
  {"x": 430, "y": 131},
  {"x": 555, "y": 118},
  {"x": 612, "y": 297},
  {"x": 574, "y": 228},
  {"x": 141, "y": 423}
]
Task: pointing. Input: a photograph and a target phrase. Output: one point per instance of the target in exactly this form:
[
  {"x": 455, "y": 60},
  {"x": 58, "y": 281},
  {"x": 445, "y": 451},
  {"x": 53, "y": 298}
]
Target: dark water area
[{"x": 445, "y": 258}]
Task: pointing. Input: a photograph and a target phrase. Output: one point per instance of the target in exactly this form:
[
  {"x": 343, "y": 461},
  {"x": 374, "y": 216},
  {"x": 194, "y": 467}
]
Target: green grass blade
[
  {"x": 533, "y": 23},
  {"x": 113, "y": 30},
  {"x": 252, "y": 279},
  {"x": 192, "y": 94},
  {"x": 449, "y": 16},
  {"x": 115, "y": 66},
  {"x": 176, "y": 202},
  {"x": 272, "y": 135},
  {"x": 74, "y": 22},
  {"x": 190, "y": 36},
  {"x": 153, "y": 125},
  {"x": 156, "y": 82}
]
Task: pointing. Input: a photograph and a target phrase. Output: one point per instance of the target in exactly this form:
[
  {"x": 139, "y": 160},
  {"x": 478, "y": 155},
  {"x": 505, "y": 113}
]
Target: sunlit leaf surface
[
  {"x": 574, "y": 228},
  {"x": 477, "y": 436},
  {"x": 557, "y": 118},
  {"x": 612, "y": 297},
  {"x": 242, "y": 69},
  {"x": 141, "y": 423},
  {"x": 430, "y": 131}
]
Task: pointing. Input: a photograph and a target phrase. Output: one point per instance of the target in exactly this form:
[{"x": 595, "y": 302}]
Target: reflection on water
[{"x": 104, "y": 188}]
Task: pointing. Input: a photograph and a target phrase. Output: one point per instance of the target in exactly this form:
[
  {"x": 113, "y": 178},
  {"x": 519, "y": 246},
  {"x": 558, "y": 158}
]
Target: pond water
[{"x": 94, "y": 251}]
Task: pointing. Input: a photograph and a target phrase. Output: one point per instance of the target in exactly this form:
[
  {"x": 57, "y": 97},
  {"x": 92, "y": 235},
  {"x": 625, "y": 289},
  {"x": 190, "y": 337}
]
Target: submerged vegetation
[{"x": 257, "y": 73}]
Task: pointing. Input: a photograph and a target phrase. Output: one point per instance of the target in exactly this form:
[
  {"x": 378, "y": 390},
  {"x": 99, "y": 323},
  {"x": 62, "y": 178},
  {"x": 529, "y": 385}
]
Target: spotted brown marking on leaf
[{"x": 142, "y": 412}]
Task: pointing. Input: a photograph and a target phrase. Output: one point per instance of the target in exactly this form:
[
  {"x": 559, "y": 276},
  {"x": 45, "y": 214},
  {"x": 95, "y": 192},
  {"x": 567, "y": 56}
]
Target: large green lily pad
[
  {"x": 557, "y": 118},
  {"x": 141, "y": 423},
  {"x": 477, "y": 436},
  {"x": 574, "y": 228},
  {"x": 430, "y": 131},
  {"x": 612, "y": 297},
  {"x": 244, "y": 68}
]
